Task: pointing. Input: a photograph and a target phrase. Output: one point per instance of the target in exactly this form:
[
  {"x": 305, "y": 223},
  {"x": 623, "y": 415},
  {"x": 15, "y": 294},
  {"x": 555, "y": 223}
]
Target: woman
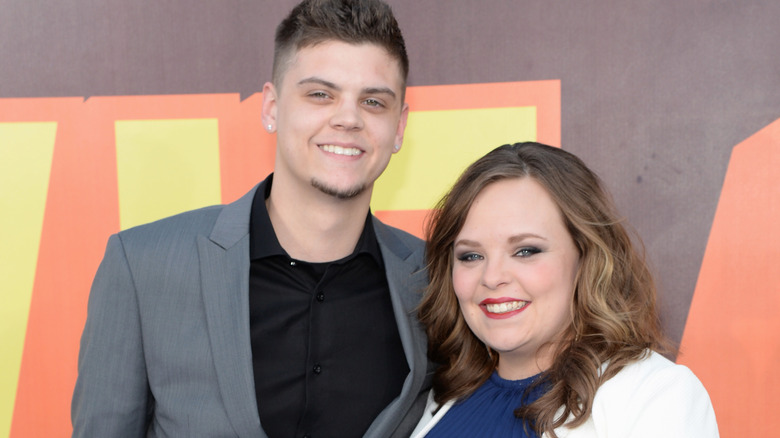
[{"x": 541, "y": 312}]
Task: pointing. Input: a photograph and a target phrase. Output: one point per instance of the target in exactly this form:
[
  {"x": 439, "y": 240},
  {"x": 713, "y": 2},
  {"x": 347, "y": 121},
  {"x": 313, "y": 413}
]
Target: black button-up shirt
[{"x": 325, "y": 345}]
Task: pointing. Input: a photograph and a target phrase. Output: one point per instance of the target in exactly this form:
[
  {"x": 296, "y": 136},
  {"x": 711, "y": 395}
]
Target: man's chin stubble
[{"x": 340, "y": 194}]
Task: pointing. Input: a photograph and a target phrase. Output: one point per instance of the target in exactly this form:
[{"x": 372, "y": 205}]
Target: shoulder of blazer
[
  {"x": 233, "y": 221},
  {"x": 404, "y": 245},
  {"x": 225, "y": 225}
]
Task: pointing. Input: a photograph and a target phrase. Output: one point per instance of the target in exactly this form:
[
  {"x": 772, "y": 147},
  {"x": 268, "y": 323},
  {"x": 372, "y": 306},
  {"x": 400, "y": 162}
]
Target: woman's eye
[
  {"x": 527, "y": 251},
  {"x": 469, "y": 257}
]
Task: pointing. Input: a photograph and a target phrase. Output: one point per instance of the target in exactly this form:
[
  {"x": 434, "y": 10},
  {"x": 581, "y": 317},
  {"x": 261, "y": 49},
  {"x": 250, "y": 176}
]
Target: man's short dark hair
[{"x": 352, "y": 21}]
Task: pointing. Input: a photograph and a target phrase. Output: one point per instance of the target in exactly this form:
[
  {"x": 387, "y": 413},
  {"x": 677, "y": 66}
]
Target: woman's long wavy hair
[{"x": 613, "y": 313}]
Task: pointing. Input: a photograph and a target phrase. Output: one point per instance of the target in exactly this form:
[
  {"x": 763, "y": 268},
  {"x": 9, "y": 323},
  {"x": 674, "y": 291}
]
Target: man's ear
[
  {"x": 269, "y": 108},
  {"x": 399, "y": 133}
]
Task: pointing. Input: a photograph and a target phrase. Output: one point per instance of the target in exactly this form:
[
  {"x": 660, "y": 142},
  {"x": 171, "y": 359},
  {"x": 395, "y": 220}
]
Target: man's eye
[
  {"x": 319, "y": 95},
  {"x": 373, "y": 102}
]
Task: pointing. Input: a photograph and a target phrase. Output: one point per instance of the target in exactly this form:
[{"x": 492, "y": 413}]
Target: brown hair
[
  {"x": 614, "y": 318},
  {"x": 352, "y": 21}
]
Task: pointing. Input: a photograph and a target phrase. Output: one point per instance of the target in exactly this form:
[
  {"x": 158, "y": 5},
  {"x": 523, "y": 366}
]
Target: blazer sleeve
[
  {"x": 651, "y": 398},
  {"x": 112, "y": 396}
]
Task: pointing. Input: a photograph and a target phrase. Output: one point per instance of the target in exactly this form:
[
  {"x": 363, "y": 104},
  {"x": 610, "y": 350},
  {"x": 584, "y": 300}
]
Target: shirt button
[
  {"x": 320, "y": 296},
  {"x": 292, "y": 262},
  {"x": 317, "y": 368}
]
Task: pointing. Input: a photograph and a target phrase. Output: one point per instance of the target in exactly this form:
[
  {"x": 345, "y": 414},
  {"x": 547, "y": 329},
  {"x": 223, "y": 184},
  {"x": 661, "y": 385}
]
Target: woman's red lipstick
[{"x": 502, "y": 308}]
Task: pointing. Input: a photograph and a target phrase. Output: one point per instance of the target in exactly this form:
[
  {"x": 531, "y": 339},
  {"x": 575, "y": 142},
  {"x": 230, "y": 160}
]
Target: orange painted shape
[
  {"x": 247, "y": 151},
  {"x": 732, "y": 335},
  {"x": 80, "y": 213}
]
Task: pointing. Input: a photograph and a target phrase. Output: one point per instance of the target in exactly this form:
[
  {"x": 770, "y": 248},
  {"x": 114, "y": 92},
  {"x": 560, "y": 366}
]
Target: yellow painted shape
[
  {"x": 439, "y": 145},
  {"x": 26, "y": 152},
  {"x": 165, "y": 167}
]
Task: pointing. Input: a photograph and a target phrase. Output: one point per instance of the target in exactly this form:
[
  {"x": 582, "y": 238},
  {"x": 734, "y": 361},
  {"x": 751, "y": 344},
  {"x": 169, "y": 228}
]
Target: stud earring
[
  {"x": 397, "y": 147},
  {"x": 270, "y": 128}
]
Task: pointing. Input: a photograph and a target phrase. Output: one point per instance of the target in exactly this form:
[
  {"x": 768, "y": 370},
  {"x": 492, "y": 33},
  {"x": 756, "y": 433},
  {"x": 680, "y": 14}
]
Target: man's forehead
[{"x": 314, "y": 49}]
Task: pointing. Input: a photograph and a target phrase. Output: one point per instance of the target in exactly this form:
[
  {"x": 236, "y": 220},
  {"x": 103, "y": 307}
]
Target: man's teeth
[
  {"x": 506, "y": 307},
  {"x": 339, "y": 150}
]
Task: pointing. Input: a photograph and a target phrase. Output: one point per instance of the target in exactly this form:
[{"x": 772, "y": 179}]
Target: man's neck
[{"x": 315, "y": 227}]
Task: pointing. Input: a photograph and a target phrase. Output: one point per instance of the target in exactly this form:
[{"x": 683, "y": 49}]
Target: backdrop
[{"x": 117, "y": 112}]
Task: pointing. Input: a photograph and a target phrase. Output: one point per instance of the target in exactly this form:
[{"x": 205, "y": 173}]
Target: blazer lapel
[
  {"x": 224, "y": 269},
  {"x": 406, "y": 277}
]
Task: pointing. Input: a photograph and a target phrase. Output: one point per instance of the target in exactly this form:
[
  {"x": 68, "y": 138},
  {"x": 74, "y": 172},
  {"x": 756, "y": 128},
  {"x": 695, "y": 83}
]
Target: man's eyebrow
[
  {"x": 379, "y": 90},
  {"x": 329, "y": 84},
  {"x": 316, "y": 80}
]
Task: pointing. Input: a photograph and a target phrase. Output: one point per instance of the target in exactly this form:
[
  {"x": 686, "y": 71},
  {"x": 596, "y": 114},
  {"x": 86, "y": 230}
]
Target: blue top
[{"x": 489, "y": 411}]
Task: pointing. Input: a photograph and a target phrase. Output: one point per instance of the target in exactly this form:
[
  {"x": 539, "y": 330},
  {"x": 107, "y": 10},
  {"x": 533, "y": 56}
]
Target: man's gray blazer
[{"x": 166, "y": 348}]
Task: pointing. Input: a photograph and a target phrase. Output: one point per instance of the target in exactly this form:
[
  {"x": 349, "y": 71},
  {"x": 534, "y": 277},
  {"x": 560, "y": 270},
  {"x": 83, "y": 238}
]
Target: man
[{"x": 290, "y": 312}]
